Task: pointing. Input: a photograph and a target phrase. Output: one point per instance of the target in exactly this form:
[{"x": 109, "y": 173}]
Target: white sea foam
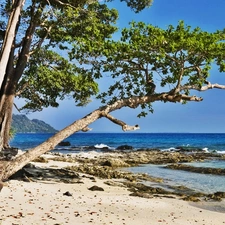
[
  {"x": 205, "y": 149},
  {"x": 221, "y": 152},
  {"x": 169, "y": 149},
  {"x": 101, "y": 146}
]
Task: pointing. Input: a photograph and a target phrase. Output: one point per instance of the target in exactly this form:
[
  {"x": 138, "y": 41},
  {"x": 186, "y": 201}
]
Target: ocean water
[
  {"x": 214, "y": 142},
  {"x": 163, "y": 141}
]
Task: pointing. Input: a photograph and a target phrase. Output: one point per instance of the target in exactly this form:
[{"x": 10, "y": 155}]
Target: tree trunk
[
  {"x": 8, "y": 168},
  {"x": 8, "y": 78},
  {"x": 7, "y": 95},
  {"x": 9, "y": 37},
  {"x": 6, "y": 119},
  {"x": 12, "y": 72}
]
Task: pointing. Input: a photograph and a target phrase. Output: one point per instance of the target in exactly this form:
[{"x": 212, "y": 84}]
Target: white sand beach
[{"x": 42, "y": 202}]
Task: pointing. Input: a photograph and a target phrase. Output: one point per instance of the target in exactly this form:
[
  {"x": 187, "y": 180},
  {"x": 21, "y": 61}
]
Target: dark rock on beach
[
  {"x": 217, "y": 196},
  {"x": 102, "y": 172},
  {"x": 8, "y": 153},
  {"x": 142, "y": 190},
  {"x": 188, "y": 149},
  {"x": 67, "y": 193},
  {"x": 31, "y": 172},
  {"x": 95, "y": 188},
  {"x": 125, "y": 147},
  {"x": 191, "y": 198},
  {"x": 155, "y": 157},
  {"x": 91, "y": 148},
  {"x": 64, "y": 143},
  {"x": 202, "y": 170},
  {"x": 115, "y": 163}
]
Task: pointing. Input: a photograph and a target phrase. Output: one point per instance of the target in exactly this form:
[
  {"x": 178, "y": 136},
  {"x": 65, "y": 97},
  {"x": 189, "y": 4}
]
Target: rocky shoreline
[
  {"x": 94, "y": 187},
  {"x": 109, "y": 165}
]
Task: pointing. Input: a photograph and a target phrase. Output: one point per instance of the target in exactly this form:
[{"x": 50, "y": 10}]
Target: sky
[{"x": 207, "y": 116}]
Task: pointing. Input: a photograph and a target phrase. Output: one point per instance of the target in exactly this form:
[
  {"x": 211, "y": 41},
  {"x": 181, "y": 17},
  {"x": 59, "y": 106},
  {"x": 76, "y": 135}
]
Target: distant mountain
[{"x": 21, "y": 124}]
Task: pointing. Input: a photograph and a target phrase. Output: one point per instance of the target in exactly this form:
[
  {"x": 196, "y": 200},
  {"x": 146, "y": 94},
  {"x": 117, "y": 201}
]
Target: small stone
[
  {"x": 67, "y": 193},
  {"x": 95, "y": 188}
]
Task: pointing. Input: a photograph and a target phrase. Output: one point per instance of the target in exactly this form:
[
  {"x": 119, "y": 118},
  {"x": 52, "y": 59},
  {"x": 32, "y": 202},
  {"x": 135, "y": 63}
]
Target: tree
[
  {"x": 7, "y": 37},
  {"x": 39, "y": 68},
  {"x": 177, "y": 61}
]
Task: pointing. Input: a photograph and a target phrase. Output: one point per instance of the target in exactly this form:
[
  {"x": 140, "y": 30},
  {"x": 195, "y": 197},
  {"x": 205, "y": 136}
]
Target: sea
[{"x": 208, "y": 142}]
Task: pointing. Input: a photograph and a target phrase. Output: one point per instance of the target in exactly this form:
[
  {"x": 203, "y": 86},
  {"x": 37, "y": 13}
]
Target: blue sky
[{"x": 206, "y": 116}]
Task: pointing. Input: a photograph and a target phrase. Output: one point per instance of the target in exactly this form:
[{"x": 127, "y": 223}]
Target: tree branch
[
  {"x": 20, "y": 91},
  {"x": 64, "y": 4},
  {"x": 135, "y": 101},
  {"x": 203, "y": 88},
  {"x": 39, "y": 43},
  {"x": 124, "y": 126},
  {"x": 16, "y": 107},
  {"x": 9, "y": 37},
  {"x": 85, "y": 129},
  {"x": 70, "y": 5},
  {"x": 177, "y": 88},
  {"x": 11, "y": 167},
  {"x": 25, "y": 51}
]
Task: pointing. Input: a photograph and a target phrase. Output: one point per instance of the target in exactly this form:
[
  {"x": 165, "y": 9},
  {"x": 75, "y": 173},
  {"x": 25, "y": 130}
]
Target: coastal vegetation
[{"x": 63, "y": 48}]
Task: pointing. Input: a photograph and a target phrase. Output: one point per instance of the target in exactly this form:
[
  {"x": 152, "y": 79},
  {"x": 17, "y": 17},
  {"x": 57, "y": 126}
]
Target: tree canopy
[
  {"x": 176, "y": 61},
  {"x": 49, "y": 74},
  {"x": 45, "y": 33},
  {"x": 71, "y": 46}
]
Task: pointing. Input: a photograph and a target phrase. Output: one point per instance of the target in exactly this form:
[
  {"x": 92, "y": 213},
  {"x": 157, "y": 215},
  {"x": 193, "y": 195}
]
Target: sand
[{"x": 42, "y": 202}]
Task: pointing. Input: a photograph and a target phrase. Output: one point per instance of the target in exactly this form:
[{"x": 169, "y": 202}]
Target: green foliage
[
  {"x": 12, "y": 133},
  {"x": 136, "y": 5},
  {"x": 51, "y": 77},
  {"x": 177, "y": 60},
  {"x": 95, "y": 22},
  {"x": 56, "y": 28},
  {"x": 72, "y": 46}
]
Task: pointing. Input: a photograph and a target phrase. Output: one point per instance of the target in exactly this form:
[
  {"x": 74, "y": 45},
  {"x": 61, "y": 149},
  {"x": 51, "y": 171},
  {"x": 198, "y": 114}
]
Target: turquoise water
[
  {"x": 200, "y": 182},
  {"x": 210, "y": 164},
  {"x": 162, "y": 141}
]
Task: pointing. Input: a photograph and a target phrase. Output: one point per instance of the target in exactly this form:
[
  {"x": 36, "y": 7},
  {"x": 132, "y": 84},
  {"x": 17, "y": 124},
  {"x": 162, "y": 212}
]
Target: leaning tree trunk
[{"x": 8, "y": 168}]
